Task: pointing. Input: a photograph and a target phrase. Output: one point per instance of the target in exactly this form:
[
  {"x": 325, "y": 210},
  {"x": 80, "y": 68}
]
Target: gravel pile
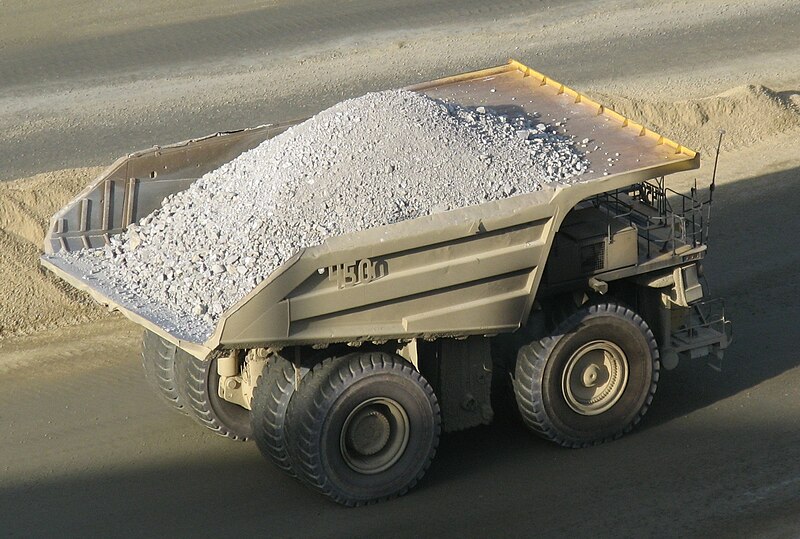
[{"x": 379, "y": 159}]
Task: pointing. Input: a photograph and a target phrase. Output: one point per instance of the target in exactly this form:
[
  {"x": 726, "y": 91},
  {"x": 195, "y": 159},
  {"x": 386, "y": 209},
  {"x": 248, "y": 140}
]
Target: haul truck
[{"x": 351, "y": 358}]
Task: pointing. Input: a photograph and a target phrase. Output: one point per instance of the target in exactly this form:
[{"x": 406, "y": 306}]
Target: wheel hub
[
  {"x": 374, "y": 435},
  {"x": 595, "y": 377},
  {"x": 368, "y": 432},
  {"x": 591, "y": 375}
]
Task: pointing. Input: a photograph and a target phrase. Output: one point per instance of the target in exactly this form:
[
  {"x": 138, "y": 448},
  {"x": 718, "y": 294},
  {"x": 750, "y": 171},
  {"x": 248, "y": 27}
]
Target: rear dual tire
[
  {"x": 158, "y": 362},
  {"x": 271, "y": 396},
  {"x": 191, "y": 386},
  {"x": 198, "y": 387},
  {"x": 359, "y": 429}
]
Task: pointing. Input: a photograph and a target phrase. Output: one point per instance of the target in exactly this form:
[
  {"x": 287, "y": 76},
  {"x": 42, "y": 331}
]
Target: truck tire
[
  {"x": 198, "y": 386},
  {"x": 363, "y": 427},
  {"x": 158, "y": 361},
  {"x": 591, "y": 380},
  {"x": 271, "y": 396}
]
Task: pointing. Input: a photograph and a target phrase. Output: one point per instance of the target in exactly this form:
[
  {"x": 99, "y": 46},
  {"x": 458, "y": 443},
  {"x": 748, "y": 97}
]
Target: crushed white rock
[{"x": 378, "y": 159}]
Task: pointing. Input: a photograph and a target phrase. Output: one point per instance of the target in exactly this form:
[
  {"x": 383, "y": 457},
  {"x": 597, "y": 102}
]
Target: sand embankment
[{"x": 32, "y": 299}]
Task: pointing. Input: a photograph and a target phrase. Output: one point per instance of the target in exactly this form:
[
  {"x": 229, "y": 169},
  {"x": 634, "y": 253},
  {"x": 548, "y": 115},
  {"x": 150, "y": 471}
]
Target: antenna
[
  {"x": 711, "y": 187},
  {"x": 716, "y": 160}
]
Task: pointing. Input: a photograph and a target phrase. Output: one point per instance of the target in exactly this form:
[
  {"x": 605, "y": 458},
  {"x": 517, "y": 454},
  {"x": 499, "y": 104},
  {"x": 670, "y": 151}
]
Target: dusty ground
[{"x": 87, "y": 448}]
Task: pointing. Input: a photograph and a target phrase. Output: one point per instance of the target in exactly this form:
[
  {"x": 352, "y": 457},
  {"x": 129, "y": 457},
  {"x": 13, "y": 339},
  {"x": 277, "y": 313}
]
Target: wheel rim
[
  {"x": 374, "y": 435},
  {"x": 595, "y": 377}
]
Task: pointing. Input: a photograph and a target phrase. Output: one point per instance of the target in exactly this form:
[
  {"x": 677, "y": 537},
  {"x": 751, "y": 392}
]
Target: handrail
[{"x": 686, "y": 225}]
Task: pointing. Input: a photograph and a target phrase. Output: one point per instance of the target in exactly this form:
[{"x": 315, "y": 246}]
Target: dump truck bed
[{"x": 473, "y": 270}]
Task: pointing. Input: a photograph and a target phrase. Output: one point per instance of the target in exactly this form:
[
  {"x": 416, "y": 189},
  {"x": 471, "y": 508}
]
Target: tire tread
[
  {"x": 320, "y": 385},
  {"x": 271, "y": 397},
  {"x": 191, "y": 374},
  {"x": 529, "y": 374},
  {"x": 158, "y": 361}
]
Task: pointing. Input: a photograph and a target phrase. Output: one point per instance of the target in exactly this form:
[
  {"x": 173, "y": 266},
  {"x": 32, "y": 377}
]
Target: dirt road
[
  {"x": 113, "y": 83},
  {"x": 88, "y": 449}
]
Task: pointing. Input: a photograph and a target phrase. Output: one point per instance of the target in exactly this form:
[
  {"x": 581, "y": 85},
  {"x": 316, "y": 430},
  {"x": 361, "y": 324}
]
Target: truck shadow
[
  {"x": 483, "y": 481},
  {"x": 753, "y": 263}
]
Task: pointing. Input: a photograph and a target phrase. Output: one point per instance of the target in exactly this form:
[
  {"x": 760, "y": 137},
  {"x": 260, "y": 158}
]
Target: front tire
[
  {"x": 591, "y": 380},
  {"x": 363, "y": 427}
]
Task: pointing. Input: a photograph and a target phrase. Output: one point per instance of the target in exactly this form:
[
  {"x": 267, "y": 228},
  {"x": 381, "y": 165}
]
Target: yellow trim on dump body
[{"x": 601, "y": 109}]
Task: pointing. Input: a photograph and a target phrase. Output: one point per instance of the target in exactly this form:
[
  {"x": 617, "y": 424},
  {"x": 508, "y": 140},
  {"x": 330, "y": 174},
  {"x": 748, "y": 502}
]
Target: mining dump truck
[{"x": 351, "y": 358}]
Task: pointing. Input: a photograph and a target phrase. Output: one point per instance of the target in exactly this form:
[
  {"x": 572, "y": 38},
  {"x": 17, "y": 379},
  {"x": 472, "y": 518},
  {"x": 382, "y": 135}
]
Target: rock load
[{"x": 378, "y": 159}]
